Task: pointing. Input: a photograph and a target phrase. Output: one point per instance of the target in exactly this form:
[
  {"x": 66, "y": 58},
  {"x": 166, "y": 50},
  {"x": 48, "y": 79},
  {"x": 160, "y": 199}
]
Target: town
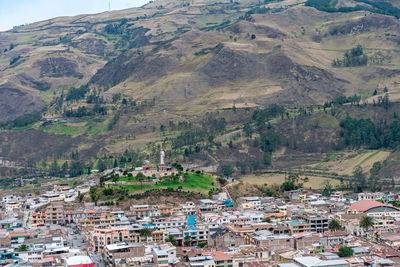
[
  {"x": 299, "y": 228},
  {"x": 200, "y": 133}
]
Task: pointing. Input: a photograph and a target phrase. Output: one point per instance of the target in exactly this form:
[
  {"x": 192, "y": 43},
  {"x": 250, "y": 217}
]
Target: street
[
  {"x": 75, "y": 238},
  {"x": 77, "y": 241}
]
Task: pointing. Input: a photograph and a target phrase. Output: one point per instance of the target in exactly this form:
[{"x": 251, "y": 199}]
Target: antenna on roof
[{"x": 109, "y": 5}]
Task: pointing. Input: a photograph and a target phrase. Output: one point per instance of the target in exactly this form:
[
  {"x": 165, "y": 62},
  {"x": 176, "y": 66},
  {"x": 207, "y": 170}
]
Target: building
[
  {"x": 316, "y": 262},
  {"x": 188, "y": 208},
  {"x": 10, "y": 223},
  {"x": 141, "y": 211},
  {"x": 55, "y": 214},
  {"x": 79, "y": 261},
  {"x": 160, "y": 257},
  {"x": 297, "y": 226},
  {"x": 333, "y": 239},
  {"x": 223, "y": 239},
  {"x": 371, "y": 196},
  {"x": 99, "y": 238},
  {"x": 373, "y": 208},
  {"x": 171, "y": 251},
  {"x": 318, "y": 224},
  {"x": 52, "y": 197},
  {"x": 119, "y": 251},
  {"x": 221, "y": 259},
  {"x": 37, "y": 218},
  {"x": 99, "y": 219},
  {"x": 265, "y": 238},
  {"x": 306, "y": 240},
  {"x": 5, "y": 239},
  {"x": 201, "y": 261}
]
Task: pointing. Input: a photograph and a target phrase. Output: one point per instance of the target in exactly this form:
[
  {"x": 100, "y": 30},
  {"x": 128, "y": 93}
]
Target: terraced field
[
  {"x": 314, "y": 182},
  {"x": 344, "y": 163}
]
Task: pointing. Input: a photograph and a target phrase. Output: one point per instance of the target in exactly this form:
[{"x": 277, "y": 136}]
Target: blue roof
[{"x": 191, "y": 220}]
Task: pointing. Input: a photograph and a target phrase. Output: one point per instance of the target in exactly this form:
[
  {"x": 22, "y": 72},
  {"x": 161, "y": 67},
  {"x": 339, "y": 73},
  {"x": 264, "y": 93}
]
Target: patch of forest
[
  {"x": 354, "y": 57},
  {"x": 379, "y": 7}
]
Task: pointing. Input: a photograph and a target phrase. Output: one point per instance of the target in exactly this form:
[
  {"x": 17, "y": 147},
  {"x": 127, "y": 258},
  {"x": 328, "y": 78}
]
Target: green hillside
[{"x": 224, "y": 85}]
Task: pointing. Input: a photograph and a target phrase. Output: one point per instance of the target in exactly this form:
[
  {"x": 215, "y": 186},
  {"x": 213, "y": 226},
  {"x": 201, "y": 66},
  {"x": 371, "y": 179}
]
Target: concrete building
[
  {"x": 318, "y": 223},
  {"x": 55, "y": 214},
  {"x": 115, "y": 252},
  {"x": 160, "y": 257},
  {"x": 297, "y": 226}
]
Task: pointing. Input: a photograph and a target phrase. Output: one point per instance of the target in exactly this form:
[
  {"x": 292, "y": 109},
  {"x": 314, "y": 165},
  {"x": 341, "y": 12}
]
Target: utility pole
[{"x": 109, "y": 5}]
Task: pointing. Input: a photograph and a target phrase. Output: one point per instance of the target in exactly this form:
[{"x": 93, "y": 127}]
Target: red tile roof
[
  {"x": 366, "y": 204},
  {"x": 339, "y": 233},
  {"x": 219, "y": 256},
  {"x": 47, "y": 260},
  {"x": 393, "y": 238}
]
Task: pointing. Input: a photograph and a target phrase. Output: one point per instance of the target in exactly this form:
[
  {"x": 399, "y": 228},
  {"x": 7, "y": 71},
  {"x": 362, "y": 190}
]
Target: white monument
[{"x": 162, "y": 157}]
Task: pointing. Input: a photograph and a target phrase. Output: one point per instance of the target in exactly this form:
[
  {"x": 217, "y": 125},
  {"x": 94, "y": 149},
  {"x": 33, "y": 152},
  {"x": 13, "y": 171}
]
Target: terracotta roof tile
[{"x": 366, "y": 204}]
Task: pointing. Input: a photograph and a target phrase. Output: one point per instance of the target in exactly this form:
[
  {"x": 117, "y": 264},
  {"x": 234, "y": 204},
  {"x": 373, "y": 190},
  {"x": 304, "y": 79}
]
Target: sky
[{"x": 18, "y": 12}]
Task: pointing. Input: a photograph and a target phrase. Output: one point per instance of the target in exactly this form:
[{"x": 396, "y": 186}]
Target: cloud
[{"x": 18, "y": 12}]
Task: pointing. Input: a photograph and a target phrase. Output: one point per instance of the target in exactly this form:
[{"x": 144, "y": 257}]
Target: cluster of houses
[{"x": 53, "y": 229}]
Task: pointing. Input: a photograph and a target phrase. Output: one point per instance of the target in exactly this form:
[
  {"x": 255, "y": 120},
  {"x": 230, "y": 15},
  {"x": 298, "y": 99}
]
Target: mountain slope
[
  {"x": 118, "y": 78},
  {"x": 180, "y": 53}
]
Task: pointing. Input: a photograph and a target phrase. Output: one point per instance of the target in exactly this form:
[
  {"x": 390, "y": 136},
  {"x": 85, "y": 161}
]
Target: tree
[
  {"x": 140, "y": 176},
  {"x": 202, "y": 244},
  {"x": 247, "y": 129},
  {"x": 80, "y": 196},
  {"x": 334, "y": 225},
  {"x": 172, "y": 240},
  {"x": 23, "y": 247},
  {"x": 188, "y": 240},
  {"x": 267, "y": 220},
  {"x": 359, "y": 178},
  {"x": 288, "y": 186},
  {"x": 108, "y": 191},
  {"x": 345, "y": 252},
  {"x": 267, "y": 158},
  {"x": 225, "y": 170},
  {"x": 54, "y": 169},
  {"x": 92, "y": 190},
  {"x": 64, "y": 167},
  {"x": 162, "y": 128},
  {"x": 177, "y": 166},
  {"x": 327, "y": 188},
  {"x": 146, "y": 232},
  {"x": 242, "y": 166},
  {"x": 77, "y": 168},
  {"x": 101, "y": 166},
  {"x": 94, "y": 197},
  {"x": 376, "y": 167},
  {"x": 366, "y": 222},
  {"x": 115, "y": 178}
]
